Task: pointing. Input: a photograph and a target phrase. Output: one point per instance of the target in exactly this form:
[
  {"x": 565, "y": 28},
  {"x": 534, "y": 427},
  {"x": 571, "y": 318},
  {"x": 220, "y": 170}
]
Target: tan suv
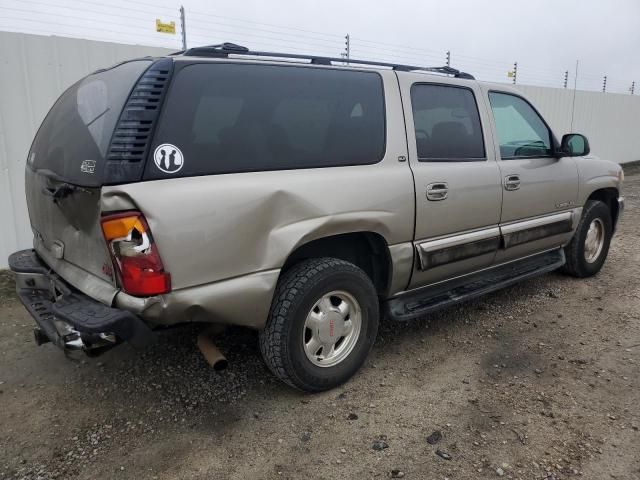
[{"x": 300, "y": 196}]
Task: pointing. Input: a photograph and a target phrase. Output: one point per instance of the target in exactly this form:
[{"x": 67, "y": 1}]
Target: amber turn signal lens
[{"x": 120, "y": 227}]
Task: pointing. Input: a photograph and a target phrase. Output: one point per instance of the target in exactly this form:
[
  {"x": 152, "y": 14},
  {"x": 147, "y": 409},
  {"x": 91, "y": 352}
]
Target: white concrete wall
[{"x": 35, "y": 69}]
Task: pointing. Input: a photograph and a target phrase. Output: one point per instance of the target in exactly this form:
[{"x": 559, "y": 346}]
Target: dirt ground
[{"x": 541, "y": 380}]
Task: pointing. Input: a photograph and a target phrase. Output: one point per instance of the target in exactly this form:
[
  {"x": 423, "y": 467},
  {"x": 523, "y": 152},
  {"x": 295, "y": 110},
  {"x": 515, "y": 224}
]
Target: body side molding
[
  {"x": 433, "y": 253},
  {"x": 525, "y": 231},
  {"x": 458, "y": 247}
]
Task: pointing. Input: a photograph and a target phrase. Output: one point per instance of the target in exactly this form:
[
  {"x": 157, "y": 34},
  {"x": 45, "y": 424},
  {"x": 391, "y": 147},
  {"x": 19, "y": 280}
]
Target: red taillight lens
[{"x": 135, "y": 255}]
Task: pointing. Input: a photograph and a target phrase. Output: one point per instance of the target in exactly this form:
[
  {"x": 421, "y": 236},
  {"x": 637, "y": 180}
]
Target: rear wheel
[
  {"x": 589, "y": 247},
  {"x": 322, "y": 325}
]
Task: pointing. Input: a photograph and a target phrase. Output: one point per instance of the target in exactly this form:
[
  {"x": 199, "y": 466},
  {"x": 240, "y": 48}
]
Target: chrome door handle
[
  {"x": 437, "y": 191},
  {"x": 512, "y": 182}
]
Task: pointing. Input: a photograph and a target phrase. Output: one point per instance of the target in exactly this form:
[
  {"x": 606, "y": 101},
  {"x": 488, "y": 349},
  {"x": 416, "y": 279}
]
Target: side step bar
[{"x": 426, "y": 300}]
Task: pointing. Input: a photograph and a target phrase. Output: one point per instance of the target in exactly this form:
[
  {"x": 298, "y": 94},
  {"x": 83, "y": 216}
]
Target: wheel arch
[
  {"x": 608, "y": 196},
  {"x": 365, "y": 249}
]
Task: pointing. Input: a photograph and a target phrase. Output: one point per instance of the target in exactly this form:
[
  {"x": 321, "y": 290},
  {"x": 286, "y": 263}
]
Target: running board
[{"x": 420, "y": 302}]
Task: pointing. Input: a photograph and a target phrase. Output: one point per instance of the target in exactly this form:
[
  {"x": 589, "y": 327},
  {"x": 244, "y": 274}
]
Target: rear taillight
[{"x": 135, "y": 255}]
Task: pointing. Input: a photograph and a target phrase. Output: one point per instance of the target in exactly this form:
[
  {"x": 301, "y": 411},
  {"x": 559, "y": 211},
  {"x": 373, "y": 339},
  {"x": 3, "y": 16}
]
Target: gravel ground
[{"x": 540, "y": 380}]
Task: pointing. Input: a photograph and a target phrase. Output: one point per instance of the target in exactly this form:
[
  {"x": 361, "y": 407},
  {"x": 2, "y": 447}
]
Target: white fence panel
[
  {"x": 609, "y": 120},
  {"x": 35, "y": 70}
]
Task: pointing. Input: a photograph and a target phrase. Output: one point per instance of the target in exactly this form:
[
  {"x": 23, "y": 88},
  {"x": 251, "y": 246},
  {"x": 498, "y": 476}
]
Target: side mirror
[{"x": 574, "y": 145}]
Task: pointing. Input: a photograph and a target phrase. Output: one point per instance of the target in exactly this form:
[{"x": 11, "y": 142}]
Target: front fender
[{"x": 596, "y": 174}]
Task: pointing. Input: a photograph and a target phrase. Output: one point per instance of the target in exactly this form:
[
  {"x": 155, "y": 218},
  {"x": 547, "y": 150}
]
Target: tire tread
[
  {"x": 273, "y": 338},
  {"x": 574, "y": 251}
]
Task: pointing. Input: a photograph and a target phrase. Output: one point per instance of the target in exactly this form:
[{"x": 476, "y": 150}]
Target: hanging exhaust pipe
[{"x": 212, "y": 355}]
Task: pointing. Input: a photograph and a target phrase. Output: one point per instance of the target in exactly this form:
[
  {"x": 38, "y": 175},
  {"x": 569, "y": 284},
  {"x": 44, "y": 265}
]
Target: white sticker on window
[{"x": 168, "y": 158}]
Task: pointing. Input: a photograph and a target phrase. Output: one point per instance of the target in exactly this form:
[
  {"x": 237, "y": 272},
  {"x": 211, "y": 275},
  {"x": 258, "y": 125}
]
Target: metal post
[
  {"x": 347, "y": 47},
  {"x": 604, "y": 84},
  {"x": 448, "y": 58},
  {"x": 633, "y": 87},
  {"x": 566, "y": 78},
  {"x": 183, "y": 24},
  {"x": 573, "y": 102},
  {"x": 515, "y": 72}
]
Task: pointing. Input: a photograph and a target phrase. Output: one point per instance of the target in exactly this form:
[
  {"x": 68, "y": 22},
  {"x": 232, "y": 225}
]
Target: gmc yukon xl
[{"x": 301, "y": 196}]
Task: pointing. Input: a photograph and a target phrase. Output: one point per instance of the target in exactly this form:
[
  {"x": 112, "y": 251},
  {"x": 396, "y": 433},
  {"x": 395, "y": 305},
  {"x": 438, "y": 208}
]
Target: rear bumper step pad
[
  {"x": 36, "y": 285},
  {"x": 87, "y": 315},
  {"x": 27, "y": 261}
]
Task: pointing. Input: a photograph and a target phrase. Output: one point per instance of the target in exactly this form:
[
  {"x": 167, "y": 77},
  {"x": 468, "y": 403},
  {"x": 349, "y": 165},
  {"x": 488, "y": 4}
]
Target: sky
[{"x": 484, "y": 38}]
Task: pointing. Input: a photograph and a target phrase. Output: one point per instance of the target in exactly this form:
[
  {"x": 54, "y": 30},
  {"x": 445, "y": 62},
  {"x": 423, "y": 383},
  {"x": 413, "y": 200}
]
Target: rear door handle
[
  {"x": 512, "y": 182},
  {"x": 437, "y": 191}
]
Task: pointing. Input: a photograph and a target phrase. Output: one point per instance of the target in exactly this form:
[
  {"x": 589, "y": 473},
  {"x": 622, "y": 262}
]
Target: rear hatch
[{"x": 97, "y": 133}]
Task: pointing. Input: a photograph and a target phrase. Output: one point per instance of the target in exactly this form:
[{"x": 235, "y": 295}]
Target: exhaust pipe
[{"x": 212, "y": 355}]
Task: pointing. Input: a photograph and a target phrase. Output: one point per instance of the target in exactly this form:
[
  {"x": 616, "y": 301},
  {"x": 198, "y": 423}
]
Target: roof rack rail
[{"x": 226, "y": 49}]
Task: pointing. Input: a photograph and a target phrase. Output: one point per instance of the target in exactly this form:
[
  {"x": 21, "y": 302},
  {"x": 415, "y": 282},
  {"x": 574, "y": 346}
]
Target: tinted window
[
  {"x": 236, "y": 118},
  {"x": 80, "y": 124},
  {"x": 521, "y": 132},
  {"x": 447, "y": 123}
]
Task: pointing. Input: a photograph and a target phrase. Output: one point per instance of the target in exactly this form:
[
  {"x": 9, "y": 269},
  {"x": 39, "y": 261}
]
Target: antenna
[
  {"x": 183, "y": 23},
  {"x": 573, "y": 102}
]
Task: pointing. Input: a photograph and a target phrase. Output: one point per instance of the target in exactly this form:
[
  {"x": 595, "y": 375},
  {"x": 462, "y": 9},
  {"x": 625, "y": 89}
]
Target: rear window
[
  {"x": 226, "y": 118},
  {"x": 73, "y": 140}
]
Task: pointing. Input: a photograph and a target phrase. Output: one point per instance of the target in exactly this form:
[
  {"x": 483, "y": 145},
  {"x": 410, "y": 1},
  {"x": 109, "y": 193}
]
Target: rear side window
[
  {"x": 447, "y": 123},
  {"x": 521, "y": 132},
  {"x": 228, "y": 118}
]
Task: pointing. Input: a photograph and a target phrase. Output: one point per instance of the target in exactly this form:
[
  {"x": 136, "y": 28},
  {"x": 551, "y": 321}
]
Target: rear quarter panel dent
[
  {"x": 240, "y": 301},
  {"x": 212, "y": 228}
]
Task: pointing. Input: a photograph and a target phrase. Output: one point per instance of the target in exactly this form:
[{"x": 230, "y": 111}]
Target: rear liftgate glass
[{"x": 98, "y": 132}]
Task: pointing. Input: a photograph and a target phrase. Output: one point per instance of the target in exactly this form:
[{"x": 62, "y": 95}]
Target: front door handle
[
  {"x": 437, "y": 191},
  {"x": 512, "y": 182}
]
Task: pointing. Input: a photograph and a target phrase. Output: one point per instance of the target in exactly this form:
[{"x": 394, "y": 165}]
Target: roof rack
[{"x": 226, "y": 49}]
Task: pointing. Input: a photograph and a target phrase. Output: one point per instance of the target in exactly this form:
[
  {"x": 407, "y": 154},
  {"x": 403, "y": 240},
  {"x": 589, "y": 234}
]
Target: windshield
[{"x": 73, "y": 140}]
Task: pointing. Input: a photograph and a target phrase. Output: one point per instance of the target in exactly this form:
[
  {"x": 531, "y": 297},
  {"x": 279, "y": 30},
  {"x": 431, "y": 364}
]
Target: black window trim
[
  {"x": 179, "y": 66},
  {"x": 552, "y": 138},
  {"x": 451, "y": 160}
]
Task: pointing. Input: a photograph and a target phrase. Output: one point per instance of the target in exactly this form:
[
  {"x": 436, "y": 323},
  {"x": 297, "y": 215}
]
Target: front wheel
[
  {"x": 590, "y": 244},
  {"x": 322, "y": 325}
]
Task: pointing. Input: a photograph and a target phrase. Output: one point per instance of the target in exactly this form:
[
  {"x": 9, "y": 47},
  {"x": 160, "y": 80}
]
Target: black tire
[
  {"x": 298, "y": 290},
  {"x": 577, "y": 265}
]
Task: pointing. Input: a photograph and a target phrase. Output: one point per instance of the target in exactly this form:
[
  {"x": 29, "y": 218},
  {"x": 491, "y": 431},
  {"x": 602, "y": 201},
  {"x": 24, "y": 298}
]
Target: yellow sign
[
  {"x": 509, "y": 74},
  {"x": 165, "y": 27}
]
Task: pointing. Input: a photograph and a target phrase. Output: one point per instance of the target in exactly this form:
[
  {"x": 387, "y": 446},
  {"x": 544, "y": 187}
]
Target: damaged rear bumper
[{"x": 68, "y": 318}]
